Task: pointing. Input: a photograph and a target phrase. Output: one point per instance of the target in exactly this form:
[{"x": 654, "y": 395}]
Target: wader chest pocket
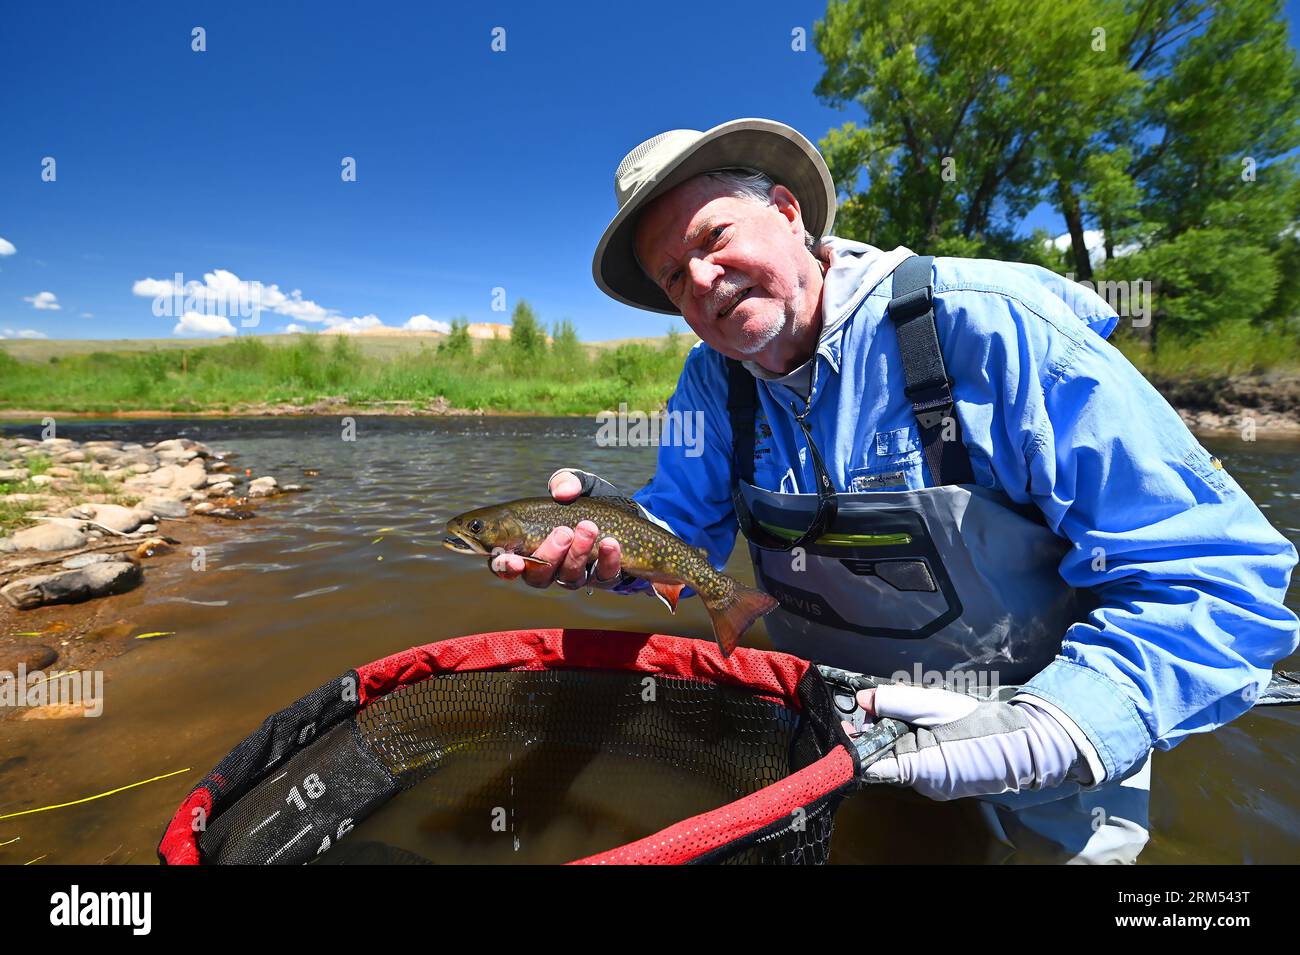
[{"x": 892, "y": 456}]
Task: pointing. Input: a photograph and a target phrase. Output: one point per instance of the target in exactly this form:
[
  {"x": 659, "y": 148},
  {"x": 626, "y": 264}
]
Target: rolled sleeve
[{"x": 1189, "y": 576}]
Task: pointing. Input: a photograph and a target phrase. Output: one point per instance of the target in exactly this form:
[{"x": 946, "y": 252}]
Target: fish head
[{"x": 485, "y": 530}]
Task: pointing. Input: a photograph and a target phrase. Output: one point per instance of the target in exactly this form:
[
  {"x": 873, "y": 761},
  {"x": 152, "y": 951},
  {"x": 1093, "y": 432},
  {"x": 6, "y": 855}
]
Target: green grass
[
  {"x": 38, "y": 464},
  {"x": 13, "y": 514},
  {"x": 492, "y": 376},
  {"x": 1228, "y": 350}
]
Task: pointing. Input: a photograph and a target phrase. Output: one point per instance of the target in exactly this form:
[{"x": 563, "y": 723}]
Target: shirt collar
[{"x": 855, "y": 270}]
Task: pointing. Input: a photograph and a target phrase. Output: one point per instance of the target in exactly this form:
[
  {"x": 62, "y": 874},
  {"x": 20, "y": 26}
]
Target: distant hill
[{"x": 381, "y": 342}]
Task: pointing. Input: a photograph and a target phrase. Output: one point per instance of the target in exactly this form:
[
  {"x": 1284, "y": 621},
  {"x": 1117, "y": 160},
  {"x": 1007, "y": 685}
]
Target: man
[{"x": 941, "y": 467}]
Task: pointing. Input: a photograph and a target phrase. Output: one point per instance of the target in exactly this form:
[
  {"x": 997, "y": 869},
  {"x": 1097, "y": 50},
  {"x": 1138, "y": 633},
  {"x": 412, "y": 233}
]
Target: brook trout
[{"x": 648, "y": 552}]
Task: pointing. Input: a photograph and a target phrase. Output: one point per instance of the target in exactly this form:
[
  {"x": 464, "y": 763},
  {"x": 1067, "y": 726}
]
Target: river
[{"x": 354, "y": 570}]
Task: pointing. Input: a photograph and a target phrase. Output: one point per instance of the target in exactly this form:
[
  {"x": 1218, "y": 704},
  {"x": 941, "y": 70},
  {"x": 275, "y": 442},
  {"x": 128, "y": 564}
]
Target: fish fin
[
  {"x": 669, "y": 594},
  {"x": 736, "y": 613},
  {"x": 626, "y": 503},
  {"x": 534, "y": 560}
]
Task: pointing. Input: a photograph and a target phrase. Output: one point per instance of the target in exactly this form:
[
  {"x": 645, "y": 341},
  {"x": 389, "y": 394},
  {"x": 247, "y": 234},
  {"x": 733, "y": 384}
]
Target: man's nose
[{"x": 703, "y": 274}]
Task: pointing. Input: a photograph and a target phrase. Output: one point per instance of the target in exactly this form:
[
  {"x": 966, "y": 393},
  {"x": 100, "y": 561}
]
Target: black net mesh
[
  {"x": 526, "y": 766},
  {"x": 548, "y": 766}
]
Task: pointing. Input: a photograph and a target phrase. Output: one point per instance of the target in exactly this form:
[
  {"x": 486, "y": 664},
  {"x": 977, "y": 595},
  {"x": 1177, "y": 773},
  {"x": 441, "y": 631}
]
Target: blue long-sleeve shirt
[{"x": 1189, "y": 574}]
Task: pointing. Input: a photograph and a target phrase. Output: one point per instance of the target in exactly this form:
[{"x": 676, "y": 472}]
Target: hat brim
[{"x": 772, "y": 148}]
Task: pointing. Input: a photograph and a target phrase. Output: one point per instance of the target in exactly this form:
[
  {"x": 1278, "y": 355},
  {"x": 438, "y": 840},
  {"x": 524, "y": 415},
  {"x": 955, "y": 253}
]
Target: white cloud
[
  {"x": 87, "y": 314},
  {"x": 224, "y": 293},
  {"x": 423, "y": 323},
  {"x": 7, "y": 247},
  {"x": 293, "y": 328},
  {"x": 1095, "y": 242},
  {"x": 198, "y": 325},
  {"x": 23, "y": 333},
  {"x": 350, "y": 326},
  {"x": 43, "y": 301}
]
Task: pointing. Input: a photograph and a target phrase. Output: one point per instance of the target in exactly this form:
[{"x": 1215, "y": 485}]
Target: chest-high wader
[{"x": 953, "y": 579}]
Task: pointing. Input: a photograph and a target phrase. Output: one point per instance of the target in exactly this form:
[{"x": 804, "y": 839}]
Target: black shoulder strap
[
  {"x": 928, "y": 386},
  {"x": 742, "y": 409}
]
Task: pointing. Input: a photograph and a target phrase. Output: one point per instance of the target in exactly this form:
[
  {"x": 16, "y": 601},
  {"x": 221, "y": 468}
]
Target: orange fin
[
  {"x": 735, "y": 614},
  {"x": 669, "y": 594}
]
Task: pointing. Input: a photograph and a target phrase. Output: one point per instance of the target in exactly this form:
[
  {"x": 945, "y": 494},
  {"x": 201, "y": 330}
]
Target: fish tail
[{"x": 735, "y": 613}]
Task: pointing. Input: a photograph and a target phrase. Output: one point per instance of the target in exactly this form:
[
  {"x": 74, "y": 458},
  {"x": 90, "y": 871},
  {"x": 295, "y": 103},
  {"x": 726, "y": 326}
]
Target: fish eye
[{"x": 475, "y": 526}]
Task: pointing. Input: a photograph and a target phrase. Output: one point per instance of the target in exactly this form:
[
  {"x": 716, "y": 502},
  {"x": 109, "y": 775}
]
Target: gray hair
[{"x": 755, "y": 186}]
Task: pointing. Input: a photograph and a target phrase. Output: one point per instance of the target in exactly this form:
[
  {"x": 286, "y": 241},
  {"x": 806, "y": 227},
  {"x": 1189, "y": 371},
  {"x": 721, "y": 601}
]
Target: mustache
[{"x": 727, "y": 290}]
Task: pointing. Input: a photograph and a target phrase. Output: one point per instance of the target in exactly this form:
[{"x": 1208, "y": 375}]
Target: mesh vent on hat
[{"x": 633, "y": 159}]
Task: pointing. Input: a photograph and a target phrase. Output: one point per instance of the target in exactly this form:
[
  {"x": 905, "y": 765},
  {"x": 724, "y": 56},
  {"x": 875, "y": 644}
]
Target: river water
[{"x": 354, "y": 570}]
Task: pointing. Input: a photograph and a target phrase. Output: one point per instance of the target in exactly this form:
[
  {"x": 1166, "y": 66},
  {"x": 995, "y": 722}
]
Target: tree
[{"x": 1166, "y": 124}]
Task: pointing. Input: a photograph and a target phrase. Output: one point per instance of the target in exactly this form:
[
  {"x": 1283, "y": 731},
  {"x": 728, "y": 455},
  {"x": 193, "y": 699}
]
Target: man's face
[{"x": 738, "y": 271}]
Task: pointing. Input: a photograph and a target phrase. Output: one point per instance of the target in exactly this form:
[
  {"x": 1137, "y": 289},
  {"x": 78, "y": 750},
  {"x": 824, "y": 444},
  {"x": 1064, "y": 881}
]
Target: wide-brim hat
[{"x": 669, "y": 159}]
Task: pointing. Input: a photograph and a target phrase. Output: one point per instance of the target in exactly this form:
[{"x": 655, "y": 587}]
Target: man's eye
[{"x": 717, "y": 233}]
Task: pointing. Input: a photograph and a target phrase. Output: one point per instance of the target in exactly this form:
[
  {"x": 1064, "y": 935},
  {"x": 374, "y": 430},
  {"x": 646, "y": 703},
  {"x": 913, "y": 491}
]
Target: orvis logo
[{"x": 103, "y": 908}]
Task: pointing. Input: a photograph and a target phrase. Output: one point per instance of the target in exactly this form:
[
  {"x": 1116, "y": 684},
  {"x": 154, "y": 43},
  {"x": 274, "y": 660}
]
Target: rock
[
  {"x": 14, "y": 475},
  {"x": 32, "y": 656},
  {"x": 85, "y": 560},
  {"x": 262, "y": 487},
  {"x": 61, "y": 472},
  {"x": 293, "y": 489},
  {"x": 232, "y": 513},
  {"x": 62, "y": 711},
  {"x": 165, "y": 476},
  {"x": 154, "y": 545},
  {"x": 223, "y": 479},
  {"x": 162, "y": 507},
  {"x": 72, "y": 457},
  {"x": 204, "y": 508},
  {"x": 42, "y": 480},
  {"x": 132, "y": 446},
  {"x": 193, "y": 475},
  {"x": 147, "y": 528},
  {"x": 116, "y": 474},
  {"x": 117, "y": 517},
  {"x": 222, "y": 489},
  {"x": 177, "y": 457},
  {"x": 70, "y": 586},
  {"x": 48, "y": 536},
  {"x": 140, "y": 467}
]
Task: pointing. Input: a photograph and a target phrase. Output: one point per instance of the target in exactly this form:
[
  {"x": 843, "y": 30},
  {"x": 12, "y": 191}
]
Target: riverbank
[
  {"x": 1263, "y": 406},
  {"x": 83, "y": 525}
]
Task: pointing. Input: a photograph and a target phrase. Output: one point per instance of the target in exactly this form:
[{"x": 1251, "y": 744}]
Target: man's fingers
[
  {"x": 565, "y": 486},
  {"x": 867, "y": 700},
  {"x": 552, "y": 551},
  {"x": 507, "y": 566},
  {"x": 917, "y": 705},
  {"x": 574, "y": 570},
  {"x": 609, "y": 561},
  {"x": 884, "y": 770}
]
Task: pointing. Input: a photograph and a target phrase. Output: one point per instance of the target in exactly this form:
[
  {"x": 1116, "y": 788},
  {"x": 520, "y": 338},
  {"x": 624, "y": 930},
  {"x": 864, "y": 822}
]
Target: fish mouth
[{"x": 463, "y": 545}]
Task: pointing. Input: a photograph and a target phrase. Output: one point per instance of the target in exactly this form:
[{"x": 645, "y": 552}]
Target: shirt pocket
[{"x": 893, "y": 462}]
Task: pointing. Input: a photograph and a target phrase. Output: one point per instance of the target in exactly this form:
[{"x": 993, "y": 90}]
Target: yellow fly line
[
  {"x": 111, "y": 792},
  {"x": 843, "y": 540}
]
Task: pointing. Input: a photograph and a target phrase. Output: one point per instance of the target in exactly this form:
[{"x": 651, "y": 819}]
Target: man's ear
[{"x": 788, "y": 206}]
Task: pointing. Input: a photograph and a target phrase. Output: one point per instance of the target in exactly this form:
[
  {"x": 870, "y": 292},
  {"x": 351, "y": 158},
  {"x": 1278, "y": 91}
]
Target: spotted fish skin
[{"x": 648, "y": 552}]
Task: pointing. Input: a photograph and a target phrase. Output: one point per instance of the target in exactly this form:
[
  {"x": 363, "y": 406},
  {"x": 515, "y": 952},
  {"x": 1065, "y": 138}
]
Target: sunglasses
[{"x": 771, "y": 537}]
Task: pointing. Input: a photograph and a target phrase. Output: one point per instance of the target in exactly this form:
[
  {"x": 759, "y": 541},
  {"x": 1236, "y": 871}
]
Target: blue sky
[{"x": 476, "y": 170}]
